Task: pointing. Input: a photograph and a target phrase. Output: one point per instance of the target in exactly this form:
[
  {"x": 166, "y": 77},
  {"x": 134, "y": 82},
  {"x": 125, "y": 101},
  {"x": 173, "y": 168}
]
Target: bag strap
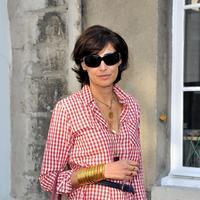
[{"x": 53, "y": 196}]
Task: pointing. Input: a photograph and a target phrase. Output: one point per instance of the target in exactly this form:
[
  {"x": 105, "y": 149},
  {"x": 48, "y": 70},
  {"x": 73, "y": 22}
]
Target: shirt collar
[
  {"x": 86, "y": 95},
  {"x": 121, "y": 95},
  {"x": 88, "y": 98}
]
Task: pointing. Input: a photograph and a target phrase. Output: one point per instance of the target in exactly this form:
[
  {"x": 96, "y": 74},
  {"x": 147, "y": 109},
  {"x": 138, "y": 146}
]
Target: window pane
[
  {"x": 192, "y": 1},
  {"x": 192, "y": 48},
  {"x": 191, "y": 129}
]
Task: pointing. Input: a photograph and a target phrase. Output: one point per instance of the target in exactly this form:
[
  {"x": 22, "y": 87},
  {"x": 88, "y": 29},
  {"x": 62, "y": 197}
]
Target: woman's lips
[{"x": 105, "y": 76}]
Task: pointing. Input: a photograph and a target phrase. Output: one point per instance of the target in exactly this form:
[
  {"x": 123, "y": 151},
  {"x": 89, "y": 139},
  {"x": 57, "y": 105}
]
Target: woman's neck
[{"x": 104, "y": 94}]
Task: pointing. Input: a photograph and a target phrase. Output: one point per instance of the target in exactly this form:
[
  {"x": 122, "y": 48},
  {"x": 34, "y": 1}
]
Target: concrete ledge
[{"x": 174, "y": 193}]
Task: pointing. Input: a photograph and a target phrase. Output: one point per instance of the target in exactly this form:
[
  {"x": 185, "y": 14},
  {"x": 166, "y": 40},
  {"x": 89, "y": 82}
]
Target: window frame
[{"x": 178, "y": 172}]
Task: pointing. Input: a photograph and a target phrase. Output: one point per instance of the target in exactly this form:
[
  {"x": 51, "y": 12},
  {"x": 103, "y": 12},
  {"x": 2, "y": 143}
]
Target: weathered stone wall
[{"x": 39, "y": 34}]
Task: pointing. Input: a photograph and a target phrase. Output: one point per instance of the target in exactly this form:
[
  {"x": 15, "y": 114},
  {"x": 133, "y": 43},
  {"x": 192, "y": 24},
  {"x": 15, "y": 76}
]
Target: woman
[{"x": 95, "y": 132}]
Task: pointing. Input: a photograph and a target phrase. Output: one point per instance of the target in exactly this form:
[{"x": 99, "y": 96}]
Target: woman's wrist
[
  {"x": 107, "y": 171},
  {"x": 90, "y": 174}
]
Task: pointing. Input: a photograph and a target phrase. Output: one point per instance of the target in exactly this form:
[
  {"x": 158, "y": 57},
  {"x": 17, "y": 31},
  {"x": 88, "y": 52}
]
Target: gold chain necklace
[
  {"x": 110, "y": 114},
  {"x": 110, "y": 121}
]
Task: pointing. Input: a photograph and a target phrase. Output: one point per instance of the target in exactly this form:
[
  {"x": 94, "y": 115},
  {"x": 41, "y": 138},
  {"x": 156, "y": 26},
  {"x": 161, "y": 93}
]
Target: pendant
[
  {"x": 110, "y": 128},
  {"x": 110, "y": 114},
  {"x": 113, "y": 131}
]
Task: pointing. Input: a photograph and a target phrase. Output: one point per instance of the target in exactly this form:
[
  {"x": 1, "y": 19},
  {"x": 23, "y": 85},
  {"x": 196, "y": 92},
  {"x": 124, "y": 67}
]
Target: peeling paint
[
  {"x": 35, "y": 151},
  {"x": 51, "y": 27},
  {"x": 45, "y": 92},
  {"x": 49, "y": 91}
]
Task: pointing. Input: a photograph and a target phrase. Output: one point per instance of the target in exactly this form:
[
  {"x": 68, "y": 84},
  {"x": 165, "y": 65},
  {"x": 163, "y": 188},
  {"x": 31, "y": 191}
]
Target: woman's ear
[{"x": 83, "y": 66}]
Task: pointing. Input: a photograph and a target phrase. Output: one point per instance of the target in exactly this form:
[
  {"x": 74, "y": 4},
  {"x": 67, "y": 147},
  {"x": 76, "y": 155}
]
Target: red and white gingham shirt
[{"x": 79, "y": 137}]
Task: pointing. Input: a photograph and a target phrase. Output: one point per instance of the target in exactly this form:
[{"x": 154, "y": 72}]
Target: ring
[{"x": 133, "y": 169}]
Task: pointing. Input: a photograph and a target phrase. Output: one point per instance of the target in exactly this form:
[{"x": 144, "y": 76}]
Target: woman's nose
[{"x": 102, "y": 66}]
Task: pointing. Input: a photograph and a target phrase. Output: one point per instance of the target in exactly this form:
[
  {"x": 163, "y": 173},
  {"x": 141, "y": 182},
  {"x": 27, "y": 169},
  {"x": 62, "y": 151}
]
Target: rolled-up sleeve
[{"x": 57, "y": 152}]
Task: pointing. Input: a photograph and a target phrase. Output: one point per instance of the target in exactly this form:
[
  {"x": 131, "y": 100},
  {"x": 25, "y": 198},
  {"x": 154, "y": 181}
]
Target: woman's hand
[{"x": 121, "y": 170}]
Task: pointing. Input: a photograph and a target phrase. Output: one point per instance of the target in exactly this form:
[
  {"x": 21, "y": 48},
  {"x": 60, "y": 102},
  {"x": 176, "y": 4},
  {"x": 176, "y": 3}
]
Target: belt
[{"x": 123, "y": 187}]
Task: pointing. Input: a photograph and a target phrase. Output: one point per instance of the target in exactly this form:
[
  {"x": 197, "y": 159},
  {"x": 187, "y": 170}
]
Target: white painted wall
[{"x": 5, "y": 131}]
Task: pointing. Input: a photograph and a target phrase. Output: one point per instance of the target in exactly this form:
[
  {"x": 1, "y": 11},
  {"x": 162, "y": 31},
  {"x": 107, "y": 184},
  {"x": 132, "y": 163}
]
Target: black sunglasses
[{"x": 95, "y": 60}]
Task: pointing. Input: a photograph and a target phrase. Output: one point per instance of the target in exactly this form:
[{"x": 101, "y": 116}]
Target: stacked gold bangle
[{"x": 91, "y": 174}]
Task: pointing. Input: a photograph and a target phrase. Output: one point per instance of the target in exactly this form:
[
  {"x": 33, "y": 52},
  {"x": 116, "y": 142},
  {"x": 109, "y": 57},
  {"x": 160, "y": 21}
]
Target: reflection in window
[
  {"x": 192, "y": 48},
  {"x": 191, "y": 137}
]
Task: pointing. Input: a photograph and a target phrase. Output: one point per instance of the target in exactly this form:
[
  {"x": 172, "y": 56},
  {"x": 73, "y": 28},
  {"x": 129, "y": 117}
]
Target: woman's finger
[
  {"x": 134, "y": 168},
  {"x": 132, "y": 163}
]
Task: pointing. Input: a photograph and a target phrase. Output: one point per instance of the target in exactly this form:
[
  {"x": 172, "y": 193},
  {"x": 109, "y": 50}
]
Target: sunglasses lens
[
  {"x": 95, "y": 60},
  {"x": 92, "y": 60},
  {"x": 111, "y": 59}
]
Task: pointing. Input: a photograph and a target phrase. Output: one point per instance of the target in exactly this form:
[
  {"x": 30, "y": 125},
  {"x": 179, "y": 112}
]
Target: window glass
[
  {"x": 191, "y": 129},
  {"x": 192, "y": 48},
  {"x": 192, "y": 1}
]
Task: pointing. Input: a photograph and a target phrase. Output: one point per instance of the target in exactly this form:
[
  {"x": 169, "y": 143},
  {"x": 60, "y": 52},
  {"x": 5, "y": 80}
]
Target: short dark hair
[{"x": 92, "y": 41}]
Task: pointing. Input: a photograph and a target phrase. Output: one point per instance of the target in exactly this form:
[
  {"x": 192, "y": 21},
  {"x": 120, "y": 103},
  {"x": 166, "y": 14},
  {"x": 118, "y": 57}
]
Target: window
[
  {"x": 191, "y": 93},
  {"x": 185, "y": 92}
]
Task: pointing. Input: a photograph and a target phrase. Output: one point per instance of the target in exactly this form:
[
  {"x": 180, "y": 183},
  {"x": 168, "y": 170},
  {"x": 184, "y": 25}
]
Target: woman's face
[{"x": 103, "y": 75}]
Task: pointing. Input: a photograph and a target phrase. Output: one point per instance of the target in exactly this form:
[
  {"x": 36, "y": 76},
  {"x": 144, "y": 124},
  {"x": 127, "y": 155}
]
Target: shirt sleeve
[
  {"x": 56, "y": 153},
  {"x": 138, "y": 181}
]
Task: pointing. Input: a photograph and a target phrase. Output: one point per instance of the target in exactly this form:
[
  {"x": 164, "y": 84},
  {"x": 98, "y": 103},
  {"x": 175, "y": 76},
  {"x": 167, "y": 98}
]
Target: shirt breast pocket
[{"x": 89, "y": 145}]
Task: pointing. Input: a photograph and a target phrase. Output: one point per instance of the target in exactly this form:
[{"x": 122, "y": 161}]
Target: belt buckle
[
  {"x": 126, "y": 188},
  {"x": 122, "y": 188}
]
